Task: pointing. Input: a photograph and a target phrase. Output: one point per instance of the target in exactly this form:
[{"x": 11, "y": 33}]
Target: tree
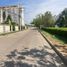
[
  {"x": 9, "y": 21},
  {"x": 48, "y": 19},
  {"x": 13, "y": 26},
  {"x": 37, "y": 21},
  {"x": 45, "y": 20},
  {"x": 4, "y": 16},
  {"x": 62, "y": 20}
]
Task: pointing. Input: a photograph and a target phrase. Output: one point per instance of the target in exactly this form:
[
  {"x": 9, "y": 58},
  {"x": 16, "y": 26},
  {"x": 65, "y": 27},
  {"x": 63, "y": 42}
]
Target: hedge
[{"x": 57, "y": 31}]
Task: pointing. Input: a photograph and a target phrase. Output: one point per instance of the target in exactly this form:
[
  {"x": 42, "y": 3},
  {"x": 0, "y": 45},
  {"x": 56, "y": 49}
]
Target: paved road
[{"x": 33, "y": 46}]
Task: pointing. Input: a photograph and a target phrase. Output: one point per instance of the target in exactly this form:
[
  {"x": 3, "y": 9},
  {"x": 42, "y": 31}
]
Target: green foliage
[
  {"x": 57, "y": 31},
  {"x": 9, "y": 19},
  {"x": 4, "y": 15},
  {"x": 62, "y": 20},
  {"x": 45, "y": 20},
  {"x": 13, "y": 26},
  {"x": 48, "y": 20}
]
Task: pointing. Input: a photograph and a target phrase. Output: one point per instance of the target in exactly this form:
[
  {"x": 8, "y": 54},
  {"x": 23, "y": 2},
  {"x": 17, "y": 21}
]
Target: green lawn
[{"x": 62, "y": 40}]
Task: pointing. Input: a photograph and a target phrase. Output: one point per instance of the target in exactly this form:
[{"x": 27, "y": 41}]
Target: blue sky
[{"x": 34, "y": 7}]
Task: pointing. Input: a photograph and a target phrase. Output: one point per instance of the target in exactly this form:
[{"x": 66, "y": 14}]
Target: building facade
[{"x": 16, "y": 12}]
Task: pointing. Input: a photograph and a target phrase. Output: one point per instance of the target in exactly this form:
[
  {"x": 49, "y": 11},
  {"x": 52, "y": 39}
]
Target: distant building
[{"x": 16, "y": 12}]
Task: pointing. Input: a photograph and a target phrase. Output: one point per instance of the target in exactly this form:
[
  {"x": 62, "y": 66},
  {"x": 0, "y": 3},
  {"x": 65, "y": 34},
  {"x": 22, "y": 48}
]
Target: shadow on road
[{"x": 32, "y": 58}]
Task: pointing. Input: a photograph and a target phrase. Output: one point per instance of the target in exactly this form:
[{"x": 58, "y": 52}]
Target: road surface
[{"x": 37, "y": 51}]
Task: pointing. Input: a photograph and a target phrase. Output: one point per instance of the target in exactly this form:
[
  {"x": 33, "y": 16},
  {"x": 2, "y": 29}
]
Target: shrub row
[{"x": 57, "y": 31}]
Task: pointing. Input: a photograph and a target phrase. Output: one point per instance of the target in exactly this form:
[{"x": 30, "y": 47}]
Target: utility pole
[
  {"x": 3, "y": 21},
  {"x": 19, "y": 18},
  {"x": 21, "y": 15}
]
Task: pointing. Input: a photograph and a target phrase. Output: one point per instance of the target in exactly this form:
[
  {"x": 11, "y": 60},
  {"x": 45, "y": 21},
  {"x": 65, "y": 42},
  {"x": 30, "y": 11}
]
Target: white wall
[
  {"x": 22, "y": 15},
  {"x": 1, "y": 29},
  {"x": 7, "y": 28},
  {"x": 16, "y": 28}
]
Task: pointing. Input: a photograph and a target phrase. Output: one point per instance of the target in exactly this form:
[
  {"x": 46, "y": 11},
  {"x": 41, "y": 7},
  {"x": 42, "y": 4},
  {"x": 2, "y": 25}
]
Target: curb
[{"x": 58, "y": 53}]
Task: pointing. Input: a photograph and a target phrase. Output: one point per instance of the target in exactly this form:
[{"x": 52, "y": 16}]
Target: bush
[{"x": 57, "y": 31}]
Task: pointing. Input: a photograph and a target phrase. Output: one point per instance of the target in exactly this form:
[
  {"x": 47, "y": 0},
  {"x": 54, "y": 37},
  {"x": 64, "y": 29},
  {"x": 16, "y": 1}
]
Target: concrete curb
[{"x": 58, "y": 53}]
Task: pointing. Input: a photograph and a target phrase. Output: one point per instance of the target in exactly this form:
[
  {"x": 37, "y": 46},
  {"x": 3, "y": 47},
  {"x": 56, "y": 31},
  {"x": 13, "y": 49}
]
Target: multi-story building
[{"x": 16, "y": 12}]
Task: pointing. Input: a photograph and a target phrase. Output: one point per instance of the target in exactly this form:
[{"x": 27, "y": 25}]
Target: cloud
[
  {"x": 55, "y": 6},
  {"x": 34, "y": 7}
]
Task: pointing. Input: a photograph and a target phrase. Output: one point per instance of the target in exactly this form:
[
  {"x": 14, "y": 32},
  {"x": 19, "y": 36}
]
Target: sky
[{"x": 34, "y": 7}]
